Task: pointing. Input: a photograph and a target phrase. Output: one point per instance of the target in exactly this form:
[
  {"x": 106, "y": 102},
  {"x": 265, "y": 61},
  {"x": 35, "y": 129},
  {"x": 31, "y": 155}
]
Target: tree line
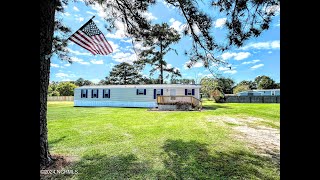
[{"x": 218, "y": 87}]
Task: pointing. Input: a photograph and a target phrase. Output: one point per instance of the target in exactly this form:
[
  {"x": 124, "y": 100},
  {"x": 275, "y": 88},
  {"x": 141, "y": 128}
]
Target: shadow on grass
[
  {"x": 214, "y": 107},
  {"x": 181, "y": 160},
  {"x": 55, "y": 141},
  {"x": 106, "y": 167},
  {"x": 189, "y": 160}
]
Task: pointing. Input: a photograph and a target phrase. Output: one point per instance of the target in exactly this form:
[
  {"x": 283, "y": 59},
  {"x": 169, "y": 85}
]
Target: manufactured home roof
[
  {"x": 265, "y": 90},
  {"x": 259, "y": 90},
  {"x": 143, "y": 86}
]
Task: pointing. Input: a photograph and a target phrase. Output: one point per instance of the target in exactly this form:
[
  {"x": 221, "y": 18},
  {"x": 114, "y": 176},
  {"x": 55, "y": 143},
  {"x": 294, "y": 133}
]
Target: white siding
[{"x": 126, "y": 97}]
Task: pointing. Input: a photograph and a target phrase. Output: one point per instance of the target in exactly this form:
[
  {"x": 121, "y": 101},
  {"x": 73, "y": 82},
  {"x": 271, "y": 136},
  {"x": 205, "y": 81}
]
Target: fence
[
  {"x": 60, "y": 98},
  {"x": 253, "y": 99}
]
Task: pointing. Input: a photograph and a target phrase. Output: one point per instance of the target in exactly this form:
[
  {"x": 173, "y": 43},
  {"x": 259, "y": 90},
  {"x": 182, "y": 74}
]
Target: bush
[
  {"x": 66, "y": 88},
  {"x": 54, "y": 93},
  {"x": 218, "y": 96},
  {"x": 241, "y": 88}
]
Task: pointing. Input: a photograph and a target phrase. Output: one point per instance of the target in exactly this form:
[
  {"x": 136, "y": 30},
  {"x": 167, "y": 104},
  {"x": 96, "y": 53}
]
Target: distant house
[
  {"x": 260, "y": 92},
  {"x": 131, "y": 95}
]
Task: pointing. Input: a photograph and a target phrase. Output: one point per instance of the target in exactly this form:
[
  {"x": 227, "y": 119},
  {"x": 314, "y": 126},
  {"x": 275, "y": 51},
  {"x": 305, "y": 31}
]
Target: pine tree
[
  {"x": 158, "y": 42},
  {"x": 124, "y": 73}
]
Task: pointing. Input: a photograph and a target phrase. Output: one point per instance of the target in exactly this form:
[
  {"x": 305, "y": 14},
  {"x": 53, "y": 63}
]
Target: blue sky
[{"x": 258, "y": 56}]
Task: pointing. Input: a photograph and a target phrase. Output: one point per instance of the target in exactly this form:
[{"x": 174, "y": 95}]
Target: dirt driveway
[{"x": 265, "y": 141}]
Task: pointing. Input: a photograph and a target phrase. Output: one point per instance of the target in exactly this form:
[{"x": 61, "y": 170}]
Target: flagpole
[{"x": 71, "y": 35}]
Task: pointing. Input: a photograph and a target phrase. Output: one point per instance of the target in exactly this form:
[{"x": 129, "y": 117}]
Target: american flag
[{"x": 92, "y": 39}]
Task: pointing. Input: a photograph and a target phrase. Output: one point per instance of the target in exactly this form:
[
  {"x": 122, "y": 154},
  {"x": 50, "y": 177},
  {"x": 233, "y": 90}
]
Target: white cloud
[
  {"x": 275, "y": 44},
  {"x": 251, "y": 62},
  {"x": 257, "y": 66},
  {"x": 149, "y": 16},
  {"x": 120, "y": 32},
  {"x": 177, "y": 25},
  {"x": 99, "y": 8},
  {"x": 278, "y": 24},
  {"x": 169, "y": 66},
  {"x": 67, "y": 65},
  {"x": 75, "y": 8},
  {"x": 95, "y": 80},
  {"x": 273, "y": 9},
  {"x": 263, "y": 45},
  {"x": 220, "y": 22},
  {"x": 236, "y": 56},
  {"x": 78, "y": 52},
  {"x": 66, "y": 14},
  {"x": 96, "y": 21},
  {"x": 78, "y": 60},
  {"x": 224, "y": 68},
  {"x": 126, "y": 41},
  {"x": 196, "y": 65},
  {"x": 61, "y": 75},
  {"x": 89, "y": 12},
  {"x": 124, "y": 57},
  {"x": 169, "y": 6},
  {"x": 93, "y": 61},
  {"x": 80, "y": 19},
  {"x": 230, "y": 72},
  {"x": 114, "y": 46},
  {"x": 54, "y": 65},
  {"x": 269, "y": 52}
]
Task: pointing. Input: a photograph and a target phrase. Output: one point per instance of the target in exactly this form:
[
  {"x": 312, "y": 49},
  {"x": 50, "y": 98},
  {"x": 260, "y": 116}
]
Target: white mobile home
[
  {"x": 130, "y": 95},
  {"x": 260, "y": 92}
]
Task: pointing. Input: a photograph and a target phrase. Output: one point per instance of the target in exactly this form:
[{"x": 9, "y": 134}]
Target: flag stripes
[{"x": 91, "y": 38}]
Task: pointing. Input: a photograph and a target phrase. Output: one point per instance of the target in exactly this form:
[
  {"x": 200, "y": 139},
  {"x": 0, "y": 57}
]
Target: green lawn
[{"x": 134, "y": 143}]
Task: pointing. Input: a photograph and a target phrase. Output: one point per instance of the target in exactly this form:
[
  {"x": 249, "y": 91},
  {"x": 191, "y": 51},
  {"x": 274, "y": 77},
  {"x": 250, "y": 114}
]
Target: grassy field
[{"x": 134, "y": 143}]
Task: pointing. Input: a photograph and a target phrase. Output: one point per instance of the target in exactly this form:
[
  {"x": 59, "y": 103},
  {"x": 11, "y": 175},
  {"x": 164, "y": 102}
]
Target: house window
[
  {"x": 189, "y": 92},
  {"x": 84, "y": 93},
  {"x": 158, "y": 92},
  {"x": 141, "y": 91},
  {"x": 94, "y": 93},
  {"x": 272, "y": 93},
  {"x": 106, "y": 93}
]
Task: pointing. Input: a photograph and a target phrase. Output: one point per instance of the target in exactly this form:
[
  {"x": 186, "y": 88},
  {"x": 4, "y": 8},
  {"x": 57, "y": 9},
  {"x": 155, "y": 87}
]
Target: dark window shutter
[
  {"x": 192, "y": 92},
  {"x": 185, "y": 91},
  {"x": 91, "y": 93},
  {"x": 103, "y": 94},
  {"x": 154, "y": 93},
  {"x": 161, "y": 92},
  {"x": 97, "y": 93},
  {"x": 86, "y": 93},
  {"x": 145, "y": 91},
  {"x": 137, "y": 91},
  {"x": 109, "y": 93}
]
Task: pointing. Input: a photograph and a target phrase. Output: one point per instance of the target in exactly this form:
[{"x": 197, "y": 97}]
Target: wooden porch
[{"x": 172, "y": 100}]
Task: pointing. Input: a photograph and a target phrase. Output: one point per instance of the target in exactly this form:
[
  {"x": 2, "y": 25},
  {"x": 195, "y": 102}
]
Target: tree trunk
[
  {"x": 161, "y": 65},
  {"x": 47, "y": 13}
]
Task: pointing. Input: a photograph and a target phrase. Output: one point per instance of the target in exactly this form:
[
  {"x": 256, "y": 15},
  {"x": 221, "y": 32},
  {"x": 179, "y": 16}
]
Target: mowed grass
[{"x": 134, "y": 143}]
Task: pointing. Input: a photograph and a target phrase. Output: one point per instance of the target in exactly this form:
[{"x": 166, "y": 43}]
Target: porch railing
[{"x": 166, "y": 100}]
